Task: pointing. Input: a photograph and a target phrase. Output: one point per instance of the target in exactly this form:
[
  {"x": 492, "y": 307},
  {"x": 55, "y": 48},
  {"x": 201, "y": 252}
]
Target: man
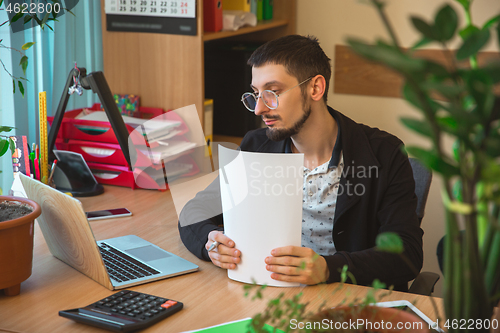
[{"x": 358, "y": 182}]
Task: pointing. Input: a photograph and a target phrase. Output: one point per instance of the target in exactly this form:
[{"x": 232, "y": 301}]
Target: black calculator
[{"x": 125, "y": 311}]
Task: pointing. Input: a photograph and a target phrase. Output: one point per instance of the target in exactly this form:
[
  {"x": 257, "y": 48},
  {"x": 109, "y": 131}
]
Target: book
[
  {"x": 237, "y": 326},
  {"x": 236, "y": 5}
]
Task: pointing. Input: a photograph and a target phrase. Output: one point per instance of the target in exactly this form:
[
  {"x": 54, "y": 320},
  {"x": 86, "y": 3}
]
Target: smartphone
[
  {"x": 108, "y": 214},
  {"x": 407, "y": 306}
]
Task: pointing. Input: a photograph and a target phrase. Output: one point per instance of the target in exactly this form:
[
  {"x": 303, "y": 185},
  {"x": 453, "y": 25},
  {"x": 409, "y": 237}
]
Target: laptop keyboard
[{"x": 122, "y": 267}]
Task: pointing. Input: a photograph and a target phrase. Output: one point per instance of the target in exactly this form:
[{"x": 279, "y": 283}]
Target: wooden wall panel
[
  {"x": 166, "y": 71},
  {"x": 355, "y": 75}
]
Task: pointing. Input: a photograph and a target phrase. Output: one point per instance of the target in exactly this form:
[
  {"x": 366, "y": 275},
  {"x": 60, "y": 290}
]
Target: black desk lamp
[{"x": 67, "y": 177}]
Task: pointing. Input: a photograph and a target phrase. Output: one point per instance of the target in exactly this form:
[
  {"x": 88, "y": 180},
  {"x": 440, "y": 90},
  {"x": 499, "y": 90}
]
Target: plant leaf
[
  {"x": 473, "y": 43},
  {"x": 424, "y": 28},
  {"x": 24, "y": 63},
  {"x": 6, "y": 128},
  {"x": 434, "y": 162},
  {"x": 467, "y": 31},
  {"x": 480, "y": 86},
  {"x": 498, "y": 33},
  {"x": 419, "y": 126},
  {"x": 45, "y": 18},
  {"x": 491, "y": 22},
  {"x": 464, "y": 3},
  {"x": 27, "y": 45},
  {"x": 422, "y": 42},
  {"x": 448, "y": 124},
  {"x": 27, "y": 18},
  {"x": 4, "y": 145},
  {"x": 493, "y": 147},
  {"x": 388, "y": 55},
  {"x": 21, "y": 88},
  {"x": 445, "y": 23},
  {"x": 13, "y": 86},
  {"x": 389, "y": 242},
  {"x": 16, "y": 17}
]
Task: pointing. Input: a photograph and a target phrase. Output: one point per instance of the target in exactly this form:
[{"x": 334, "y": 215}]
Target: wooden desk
[{"x": 208, "y": 295}]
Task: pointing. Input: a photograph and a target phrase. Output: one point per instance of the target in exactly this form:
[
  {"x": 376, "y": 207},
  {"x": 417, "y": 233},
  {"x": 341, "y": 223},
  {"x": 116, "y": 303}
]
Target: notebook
[{"x": 69, "y": 237}]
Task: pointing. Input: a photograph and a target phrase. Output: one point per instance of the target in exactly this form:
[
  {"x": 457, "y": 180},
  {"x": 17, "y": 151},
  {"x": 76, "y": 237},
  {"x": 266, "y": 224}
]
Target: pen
[
  {"x": 52, "y": 171},
  {"x": 213, "y": 246}
]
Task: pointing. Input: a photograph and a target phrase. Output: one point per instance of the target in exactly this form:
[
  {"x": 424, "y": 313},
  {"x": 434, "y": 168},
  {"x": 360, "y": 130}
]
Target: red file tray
[
  {"x": 122, "y": 176},
  {"x": 71, "y": 127},
  {"x": 61, "y": 145},
  {"x": 111, "y": 153}
]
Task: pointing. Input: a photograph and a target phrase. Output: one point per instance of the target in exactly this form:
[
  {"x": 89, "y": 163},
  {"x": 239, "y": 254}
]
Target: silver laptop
[{"x": 69, "y": 237}]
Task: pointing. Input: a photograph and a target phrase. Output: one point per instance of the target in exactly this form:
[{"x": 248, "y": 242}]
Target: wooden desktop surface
[{"x": 209, "y": 296}]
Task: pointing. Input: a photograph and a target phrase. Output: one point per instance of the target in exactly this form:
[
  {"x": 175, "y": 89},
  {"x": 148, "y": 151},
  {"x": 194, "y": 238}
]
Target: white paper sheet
[{"x": 262, "y": 206}]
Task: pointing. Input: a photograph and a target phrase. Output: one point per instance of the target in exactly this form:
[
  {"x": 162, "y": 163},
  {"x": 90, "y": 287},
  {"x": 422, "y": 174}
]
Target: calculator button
[
  {"x": 168, "y": 304},
  {"x": 130, "y": 314}
]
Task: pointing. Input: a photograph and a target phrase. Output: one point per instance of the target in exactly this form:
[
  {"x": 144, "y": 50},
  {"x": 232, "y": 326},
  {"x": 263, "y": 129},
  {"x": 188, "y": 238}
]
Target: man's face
[{"x": 292, "y": 111}]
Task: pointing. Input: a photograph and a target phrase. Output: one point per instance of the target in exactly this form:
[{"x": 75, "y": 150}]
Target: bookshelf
[{"x": 167, "y": 71}]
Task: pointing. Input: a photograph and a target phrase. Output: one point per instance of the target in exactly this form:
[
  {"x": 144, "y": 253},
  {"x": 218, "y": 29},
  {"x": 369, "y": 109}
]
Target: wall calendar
[{"x": 157, "y": 16}]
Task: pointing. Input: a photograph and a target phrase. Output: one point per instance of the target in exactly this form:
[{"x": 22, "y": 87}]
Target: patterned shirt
[{"x": 319, "y": 201}]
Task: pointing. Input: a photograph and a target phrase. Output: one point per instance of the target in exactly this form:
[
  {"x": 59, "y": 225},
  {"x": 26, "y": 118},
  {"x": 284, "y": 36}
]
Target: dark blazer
[{"x": 381, "y": 199}]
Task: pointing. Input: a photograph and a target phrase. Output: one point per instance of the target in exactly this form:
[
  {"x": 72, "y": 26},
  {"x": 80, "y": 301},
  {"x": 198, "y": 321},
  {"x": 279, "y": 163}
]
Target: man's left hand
[{"x": 297, "y": 264}]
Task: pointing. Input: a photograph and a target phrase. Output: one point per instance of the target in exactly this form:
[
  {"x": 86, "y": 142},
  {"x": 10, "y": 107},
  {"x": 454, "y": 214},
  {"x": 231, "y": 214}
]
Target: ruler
[{"x": 44, "y": 154}]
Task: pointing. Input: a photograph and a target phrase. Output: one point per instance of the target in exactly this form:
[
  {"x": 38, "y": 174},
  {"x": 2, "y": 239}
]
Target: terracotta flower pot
[
  {"x": 16, "y": 247},
  {"x": 375, "y": 319}
]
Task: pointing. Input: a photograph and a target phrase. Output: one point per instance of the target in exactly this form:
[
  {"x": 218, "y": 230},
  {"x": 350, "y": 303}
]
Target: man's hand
[
  {"x": 224, "y": 255},
  {"x": 297, "y": 264}
]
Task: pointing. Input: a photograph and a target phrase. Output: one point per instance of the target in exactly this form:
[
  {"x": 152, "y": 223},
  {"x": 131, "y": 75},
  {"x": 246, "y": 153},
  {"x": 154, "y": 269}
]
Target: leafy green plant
[
  {"x": 27, "y": 17},
  {"x": 5, "y": 143},
  {"x": 456, "y": 100},
  {"x": 280, "y": 311}
]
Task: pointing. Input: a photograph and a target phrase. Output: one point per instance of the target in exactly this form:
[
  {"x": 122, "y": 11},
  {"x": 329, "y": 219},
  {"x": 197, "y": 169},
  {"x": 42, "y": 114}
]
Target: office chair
[{"x": 425, "y": 281}]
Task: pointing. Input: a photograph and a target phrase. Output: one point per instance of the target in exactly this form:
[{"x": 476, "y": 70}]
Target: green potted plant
[
  {"x": 456, "y": 100},
  {"x": 17, "y": 217},
  {"x": 295, "y": 315}
]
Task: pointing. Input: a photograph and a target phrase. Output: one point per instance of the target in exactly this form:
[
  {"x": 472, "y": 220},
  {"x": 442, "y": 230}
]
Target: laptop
[{"x": 115, "y": 263}]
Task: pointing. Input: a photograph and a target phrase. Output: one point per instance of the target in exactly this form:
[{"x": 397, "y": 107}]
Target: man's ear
[{"x": 318, "y": 87}]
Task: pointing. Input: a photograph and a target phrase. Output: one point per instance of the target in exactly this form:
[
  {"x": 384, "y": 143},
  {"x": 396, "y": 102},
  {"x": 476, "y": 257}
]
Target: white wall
[{"x": 334, "y": 20}]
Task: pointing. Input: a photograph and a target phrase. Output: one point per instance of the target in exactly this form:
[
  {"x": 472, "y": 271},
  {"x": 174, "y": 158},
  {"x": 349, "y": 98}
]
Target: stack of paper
[
  {"x": 167, "y": 150},
  {"x": 235, "y": 19}
]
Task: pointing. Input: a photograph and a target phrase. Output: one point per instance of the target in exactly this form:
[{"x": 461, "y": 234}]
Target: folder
[
  {"x": 253, "y": 7},
  {"x": 212, "y": 15},
  {"x": 260, "y": 10},
  {"x": 237, "y": 5},
  {"x": 267, "y": 11}
]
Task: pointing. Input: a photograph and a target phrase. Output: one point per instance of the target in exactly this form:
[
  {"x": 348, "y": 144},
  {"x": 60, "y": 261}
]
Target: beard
[{"x": 278, "y": 134}]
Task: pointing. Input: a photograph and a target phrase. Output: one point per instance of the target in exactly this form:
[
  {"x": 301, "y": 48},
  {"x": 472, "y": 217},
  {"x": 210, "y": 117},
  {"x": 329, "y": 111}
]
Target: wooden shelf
[{"x": 262, "y": 25}]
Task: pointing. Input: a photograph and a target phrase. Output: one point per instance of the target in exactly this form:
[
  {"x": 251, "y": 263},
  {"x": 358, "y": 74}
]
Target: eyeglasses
[{"x": 269, "y": 97}]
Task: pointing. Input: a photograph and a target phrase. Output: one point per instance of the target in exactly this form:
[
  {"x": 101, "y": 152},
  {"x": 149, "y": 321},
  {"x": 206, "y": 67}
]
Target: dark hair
[{"x": 301, "y": 56}]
